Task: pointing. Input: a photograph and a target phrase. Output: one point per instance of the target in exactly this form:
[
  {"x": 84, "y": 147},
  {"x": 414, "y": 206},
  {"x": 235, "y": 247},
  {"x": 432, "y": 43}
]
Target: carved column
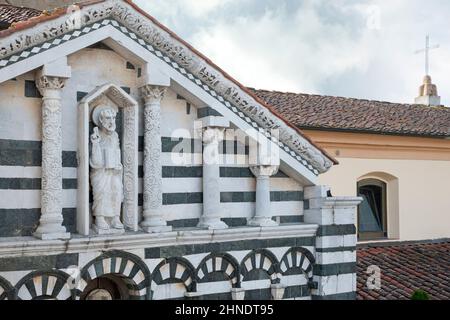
[
  {"x": 153, "y": 219},
  {"x": 211, "y": 217},
  {"x": 263, "y": 215},
  {"x": 50, "y": 224}
]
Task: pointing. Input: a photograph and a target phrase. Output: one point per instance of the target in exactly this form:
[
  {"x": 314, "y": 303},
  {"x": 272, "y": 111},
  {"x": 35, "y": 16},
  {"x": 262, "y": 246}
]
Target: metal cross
[{"x": 427, "y": 54}]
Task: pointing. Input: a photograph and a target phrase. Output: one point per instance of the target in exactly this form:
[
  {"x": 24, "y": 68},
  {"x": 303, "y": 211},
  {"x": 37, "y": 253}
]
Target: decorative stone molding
[
  {"x": 50, "y": 223},
  {"x": 139, "y": 241},
  {"x": 153, "y": 219},
  {"x": 263, "y": 216},
  {"x": 182, "y": 55},
  {"x": 136, "y": 275},
  {"x": 45, "y": 285}
]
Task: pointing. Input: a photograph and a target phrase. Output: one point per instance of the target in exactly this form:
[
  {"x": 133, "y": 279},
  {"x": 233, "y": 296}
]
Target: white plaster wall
[{"x": 424, "y": 198}]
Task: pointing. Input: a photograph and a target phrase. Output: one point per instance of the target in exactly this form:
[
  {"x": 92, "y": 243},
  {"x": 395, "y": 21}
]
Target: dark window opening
[{"x": 372, "y": 212}]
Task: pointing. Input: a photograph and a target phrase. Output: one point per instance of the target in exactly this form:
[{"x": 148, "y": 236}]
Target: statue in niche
[{"x": 106, "y": 171}]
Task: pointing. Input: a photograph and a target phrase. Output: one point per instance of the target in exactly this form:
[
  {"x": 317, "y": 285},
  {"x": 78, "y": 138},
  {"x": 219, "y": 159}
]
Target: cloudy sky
[{"x": 351, "y": 48}]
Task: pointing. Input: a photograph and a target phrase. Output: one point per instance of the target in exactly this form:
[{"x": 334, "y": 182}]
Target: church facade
[{"x": 132, "y": 167}]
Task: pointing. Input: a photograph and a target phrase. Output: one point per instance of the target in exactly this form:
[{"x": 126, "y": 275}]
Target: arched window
[{"x": 372, "y": 212}]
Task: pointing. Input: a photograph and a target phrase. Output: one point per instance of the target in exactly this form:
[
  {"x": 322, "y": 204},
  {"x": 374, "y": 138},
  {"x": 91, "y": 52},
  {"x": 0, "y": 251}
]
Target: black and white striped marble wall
[
  {"x": 207, "y": 271},
  {"x": 20, "y": 154}
]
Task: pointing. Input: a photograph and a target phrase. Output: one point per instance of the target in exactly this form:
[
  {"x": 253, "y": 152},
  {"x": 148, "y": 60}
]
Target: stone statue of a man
[{"x": 106, "y": 170}]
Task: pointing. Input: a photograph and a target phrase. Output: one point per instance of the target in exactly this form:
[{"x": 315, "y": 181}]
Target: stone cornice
[
  {"x": 31, "y": 247},
  {"x": 185, "y": 56}
]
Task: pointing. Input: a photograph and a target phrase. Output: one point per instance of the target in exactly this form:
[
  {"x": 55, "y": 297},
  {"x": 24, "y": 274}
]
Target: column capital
[
  {"x": 212, "y": 135},
  {"x": 262, "y": 171},
  {"x": 53, "y": 75},
  {"x": 152, "y": 94},
  {"x": 45, "y": 83}
]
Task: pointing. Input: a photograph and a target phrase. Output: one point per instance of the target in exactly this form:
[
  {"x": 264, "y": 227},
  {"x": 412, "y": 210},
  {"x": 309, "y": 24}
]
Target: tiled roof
[
  {"x": 406, "y": 268},
  {"x": 10, "y": 14},
  {"x": 336, "y": 113}
]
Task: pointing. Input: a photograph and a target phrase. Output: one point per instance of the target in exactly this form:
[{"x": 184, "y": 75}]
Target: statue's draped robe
[{"x": 106, "y": 176}]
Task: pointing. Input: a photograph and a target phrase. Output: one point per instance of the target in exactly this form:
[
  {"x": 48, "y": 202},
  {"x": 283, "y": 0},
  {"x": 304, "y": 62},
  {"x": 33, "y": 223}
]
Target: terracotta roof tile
[
  {"x": 405, "y": 268},
  {"x": 336, "y": 113},
  {"x": 11, "y": 14}
]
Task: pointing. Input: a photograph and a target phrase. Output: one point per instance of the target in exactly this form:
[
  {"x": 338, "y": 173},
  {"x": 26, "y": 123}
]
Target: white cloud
[{"x": 344, "y": 47}]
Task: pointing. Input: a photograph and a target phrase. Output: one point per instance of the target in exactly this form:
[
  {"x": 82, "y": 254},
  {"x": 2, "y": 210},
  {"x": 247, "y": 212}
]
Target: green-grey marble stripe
[
  {"x": 334, "y": 269},
  {"x": 32, "y": 184},
  {"x": 179, "y": 251},
  {"x": 336, "y": 230},
  {"x": 23, "y": 222}
]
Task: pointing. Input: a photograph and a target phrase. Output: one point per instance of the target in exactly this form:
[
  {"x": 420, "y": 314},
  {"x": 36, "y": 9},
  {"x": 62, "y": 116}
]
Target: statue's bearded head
[{"x": 107, "y": 119}]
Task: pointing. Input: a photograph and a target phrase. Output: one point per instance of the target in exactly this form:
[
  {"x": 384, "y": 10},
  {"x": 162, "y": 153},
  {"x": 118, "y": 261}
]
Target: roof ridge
[{"x": 350, "y": 98}]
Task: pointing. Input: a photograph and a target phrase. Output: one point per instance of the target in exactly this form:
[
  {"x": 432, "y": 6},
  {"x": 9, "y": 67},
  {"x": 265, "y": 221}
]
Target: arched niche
[{"x": 129, "y": 141}]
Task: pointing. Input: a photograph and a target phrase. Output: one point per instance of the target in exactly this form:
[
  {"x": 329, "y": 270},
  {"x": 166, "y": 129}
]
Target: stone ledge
[{"x": 17, "y": 247}]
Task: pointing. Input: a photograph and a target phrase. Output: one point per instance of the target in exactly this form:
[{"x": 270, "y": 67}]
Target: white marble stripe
[
  {"x": 182, "y": 185},
  {"x": 305, "y": 264},
  {"x": 294, "y": 280},
  {"x": 335, "y": 257},
  {"x": 92, "y": 272},
  {"x": 256, "y": 284},
  {"x": 266, "y": 264},
  {"x": 248, "y": 264},
  {"x": 185, "y": 159},
  {"x": 209, "y": 266},
  {"x": 195, "y": 159},
  {"x": 32, "y": 172},
  {"x": 299, "y": 298},
  {"x": 107, "y": 266},
  {"x": 336, "y": 241},
  {"x": 258, "y": 262},
  {"x": 82, "y": 284},
  {"x": 230, "y": 210},
  {"x": 179, "y": 271},
  {"x": 188, "y": 282},
  {"x": 214, "y": 287},
  {"x": 190, "y": 211},
  {"x": 190, "y": 185},
  {"x": 128, "y": 268},
  {"x": 65, "y": 293},
  {"x": 37, "y": 281},
  {"x": 31, "y": 199},
  {"x": 229, "y": 269},
  {"x": 139, "y": 277},
  {"x": 117, "y": 265},
  {"x": 289, "y": 260},
  {"x": 165, "y": 271},
  {"x": 218, "y": 264},
  {"x": 168, "y": 291},
  {"x": 24, "y": 294}
]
